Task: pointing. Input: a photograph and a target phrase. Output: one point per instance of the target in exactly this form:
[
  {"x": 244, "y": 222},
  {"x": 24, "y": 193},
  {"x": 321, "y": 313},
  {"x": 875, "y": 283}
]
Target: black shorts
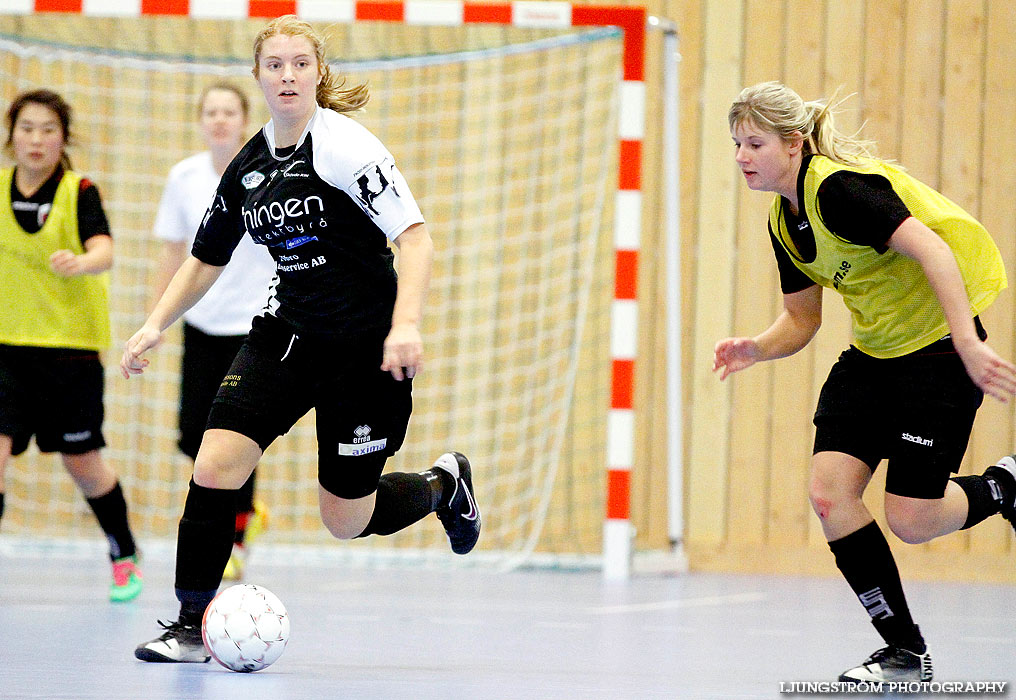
[
  {"x": 54, "y": 394},
  {"x": 206, "y": 360},
  {"x": 362, "y": 412},
  {"x": 917, "y": 411}
]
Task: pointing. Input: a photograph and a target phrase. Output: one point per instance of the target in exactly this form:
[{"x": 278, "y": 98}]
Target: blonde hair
[
  {"x": 775, "y": 108},
  {"x": 331, "y": 93}
]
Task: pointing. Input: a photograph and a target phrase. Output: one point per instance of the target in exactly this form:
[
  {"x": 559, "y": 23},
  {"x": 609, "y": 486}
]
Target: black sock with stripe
[
  {"x": 865, "y": 560},
  {"x": 984, "y": 498}
]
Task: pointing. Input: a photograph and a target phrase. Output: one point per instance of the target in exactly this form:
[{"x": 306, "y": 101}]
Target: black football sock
[
  {"x": 402, "y": 499},
  {"x": 984, "y": 497},
  {"x": 442, "y": 486},
  {"x": 111, "y": 512},
  {"x": 865, "y": 560},
  {"x": 1003, "y": 485},
  {"x": 1003, "y": 481},
  {"x": 1, "y": 506},
  {"x": 204, "y": 543},
  {"x": 244, "y": 509},
  {"x": 245, "y": 495},
  {"x": 193, "y": 604}
]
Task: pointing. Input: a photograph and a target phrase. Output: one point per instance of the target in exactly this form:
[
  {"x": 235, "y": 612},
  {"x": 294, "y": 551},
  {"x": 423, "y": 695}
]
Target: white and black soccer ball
[{"x": 245, "y": 628}]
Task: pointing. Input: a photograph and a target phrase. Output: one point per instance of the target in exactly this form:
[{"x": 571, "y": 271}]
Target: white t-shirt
[{"x": 242, "y": 290}]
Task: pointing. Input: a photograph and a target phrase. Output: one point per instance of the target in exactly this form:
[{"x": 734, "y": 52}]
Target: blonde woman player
[
  {"x": 915, "y": 270},
  {"x": 55, "y": 248},
  {"x": 341, "y": 333},
  {"x": 215, "y": 327}
]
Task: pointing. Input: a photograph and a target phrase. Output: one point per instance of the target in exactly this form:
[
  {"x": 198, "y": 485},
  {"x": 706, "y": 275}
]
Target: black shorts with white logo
[
  {"x": 362, "y": 413},
  {"x": 917, "y": 411},
  {"x": 54, "y": 394},
  {"x": 206, "y": 360}
]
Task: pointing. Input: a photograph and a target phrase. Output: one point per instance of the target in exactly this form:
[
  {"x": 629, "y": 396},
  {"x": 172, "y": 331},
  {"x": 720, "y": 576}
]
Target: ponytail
[
  {"x": 826, "y": 140},
  {"x": 331, "y": 93}
]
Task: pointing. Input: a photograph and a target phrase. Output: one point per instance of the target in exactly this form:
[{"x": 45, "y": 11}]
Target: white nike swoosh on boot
[{"x": 473, "y": 512}]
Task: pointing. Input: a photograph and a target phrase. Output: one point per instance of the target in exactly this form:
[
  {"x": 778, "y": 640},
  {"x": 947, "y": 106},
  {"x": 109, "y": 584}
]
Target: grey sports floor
[{"x": 407, "y": 633}]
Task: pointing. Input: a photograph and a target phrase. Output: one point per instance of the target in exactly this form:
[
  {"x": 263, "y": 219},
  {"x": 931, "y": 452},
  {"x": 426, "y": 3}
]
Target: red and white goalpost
[{"x": 632, "y": 21}]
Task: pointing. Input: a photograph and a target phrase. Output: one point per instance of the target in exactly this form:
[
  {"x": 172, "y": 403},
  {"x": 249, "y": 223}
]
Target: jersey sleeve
[
  {"x": 861, "y": 208},
  {"x": 791, "y": 278},
  {"x": 356, "y": 162},
  {"x": 170, "y": 223},
  {"x": 92, "y": 219},
  {"x": 220, "y": 231}
]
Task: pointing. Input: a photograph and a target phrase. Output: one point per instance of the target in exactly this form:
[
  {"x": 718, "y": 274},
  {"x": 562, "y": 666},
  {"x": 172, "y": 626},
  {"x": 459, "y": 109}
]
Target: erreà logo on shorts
[
  {"x": 362, "y": 444},
  {"x": 252, "y": 179}
]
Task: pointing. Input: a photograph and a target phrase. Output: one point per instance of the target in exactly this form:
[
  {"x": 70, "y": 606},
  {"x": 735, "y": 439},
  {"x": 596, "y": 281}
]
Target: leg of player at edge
[{"x": 863, "y": 556}]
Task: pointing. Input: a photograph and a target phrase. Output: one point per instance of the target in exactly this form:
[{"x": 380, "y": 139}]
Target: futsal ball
[{"x": 245, "y": 628}]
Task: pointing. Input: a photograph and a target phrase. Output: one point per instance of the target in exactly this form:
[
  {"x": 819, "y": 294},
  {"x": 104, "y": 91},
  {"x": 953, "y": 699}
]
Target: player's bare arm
[
  {"x": 171, "y": 257},
  {"x": 97, "y": 258},
  {"x": 792, "y": 330},
  {"x": 403, "y": 348},
  {"x": 994, "y": 375},
  {"x": 188, "y": 285}
]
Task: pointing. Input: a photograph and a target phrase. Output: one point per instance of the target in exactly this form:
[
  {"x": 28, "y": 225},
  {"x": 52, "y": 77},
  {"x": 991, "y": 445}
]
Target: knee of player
[
  {"x": 909, "y": 532},
  {"x": 213, "y": 475},
  {"x": 908, "y": 520},
  {"x": 825, "y": 501},
  {"x": 344, "y": 529}
]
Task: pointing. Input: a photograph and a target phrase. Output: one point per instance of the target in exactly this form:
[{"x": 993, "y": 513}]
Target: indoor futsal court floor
[{"x": 419, "y": 633}]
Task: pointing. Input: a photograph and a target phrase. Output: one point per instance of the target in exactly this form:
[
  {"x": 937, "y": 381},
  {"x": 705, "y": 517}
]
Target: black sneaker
[
  {"x": 461, "y": 517},
  {"x": 180, "y": 644},
  {"x": 891, "y": 664},
  {"x": 1008, "y": 511}
]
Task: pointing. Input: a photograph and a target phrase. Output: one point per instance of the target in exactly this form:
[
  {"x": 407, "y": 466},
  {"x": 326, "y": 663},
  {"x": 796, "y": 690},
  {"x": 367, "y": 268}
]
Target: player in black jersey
[
  {"x": 915, "y": 270},
  {"x": 341, "y": 333},
  {"x": 55, "y": 248}
]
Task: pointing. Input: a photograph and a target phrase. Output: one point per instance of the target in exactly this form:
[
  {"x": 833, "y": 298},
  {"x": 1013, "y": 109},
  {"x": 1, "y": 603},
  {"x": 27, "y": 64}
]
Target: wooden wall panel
[
  {"x": 714, "y": 277},
  {"x": 920, "y": 100},
  {"x": 756, "y": 289},
  {"x": 993, "y": 432}
]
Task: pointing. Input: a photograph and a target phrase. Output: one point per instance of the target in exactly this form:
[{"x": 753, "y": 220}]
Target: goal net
[{"x": 508, "y": 139}]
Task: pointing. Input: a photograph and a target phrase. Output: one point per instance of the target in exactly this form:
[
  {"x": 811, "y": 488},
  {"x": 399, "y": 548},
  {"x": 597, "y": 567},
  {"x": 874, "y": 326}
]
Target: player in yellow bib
[
  {"x": 915, "y": 271},
  {"x": 55, "y": 249}
]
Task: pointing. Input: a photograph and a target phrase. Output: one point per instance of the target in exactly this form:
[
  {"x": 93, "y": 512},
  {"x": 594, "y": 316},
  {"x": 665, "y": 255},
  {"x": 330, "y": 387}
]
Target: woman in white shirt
[{"x": 215, "y": 327}]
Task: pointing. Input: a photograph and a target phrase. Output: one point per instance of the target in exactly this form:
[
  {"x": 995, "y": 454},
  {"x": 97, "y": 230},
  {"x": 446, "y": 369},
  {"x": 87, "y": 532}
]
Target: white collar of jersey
[{"x": 269, "y": 132}]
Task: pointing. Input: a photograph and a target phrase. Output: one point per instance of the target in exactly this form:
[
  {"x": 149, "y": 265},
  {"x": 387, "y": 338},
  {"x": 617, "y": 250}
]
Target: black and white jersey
[{"x": 326, "y": 210}]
